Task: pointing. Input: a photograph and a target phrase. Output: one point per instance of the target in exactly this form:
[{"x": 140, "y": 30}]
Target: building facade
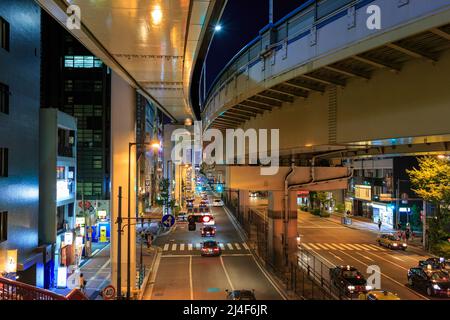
[
  {"x": 78, "y": 83},
  {"x": 57, "y": 186},
  {"x": 20, "y": 47}
]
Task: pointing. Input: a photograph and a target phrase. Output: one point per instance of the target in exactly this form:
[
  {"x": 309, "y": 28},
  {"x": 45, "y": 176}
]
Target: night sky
[{"x": 241, "y": 22}]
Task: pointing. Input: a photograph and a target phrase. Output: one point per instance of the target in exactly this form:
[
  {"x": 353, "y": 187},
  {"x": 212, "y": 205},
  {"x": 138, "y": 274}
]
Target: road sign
[
  {"x": 168, "y": 220},
  {"x": 109, "y": 293}
]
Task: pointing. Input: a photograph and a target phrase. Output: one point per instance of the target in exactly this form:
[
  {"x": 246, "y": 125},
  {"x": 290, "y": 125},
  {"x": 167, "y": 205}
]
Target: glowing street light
[
  {"x": 218, "y": 28},
  {"x": 157, "y": 15}
]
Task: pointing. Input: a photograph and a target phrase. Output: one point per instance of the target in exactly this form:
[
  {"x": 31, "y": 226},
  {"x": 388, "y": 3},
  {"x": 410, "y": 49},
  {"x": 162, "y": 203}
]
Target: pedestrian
[
  {"x": 82, "y": 283},
  {"x": 379, "y": 224},
  {"x": 407, "y": 234}
]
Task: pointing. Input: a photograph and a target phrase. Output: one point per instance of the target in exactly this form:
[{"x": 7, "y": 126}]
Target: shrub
[
  {"x": 316, "y": 212},
  {"x": 325, "y": 214},
  {"x": 441, "y": 249},
  {"x": 340, "y": 207},
  {"x": 304, "y": 208}
]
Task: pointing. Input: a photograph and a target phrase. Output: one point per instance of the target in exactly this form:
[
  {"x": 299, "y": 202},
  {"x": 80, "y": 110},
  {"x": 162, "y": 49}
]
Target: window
[
  {"x": 4, "y": 98},
  {"x": 3, "y": 162},
  {"x": 86, "y": 62},
  {"x": 4, "y": 34},
  {"x": 3, "y": 226}
]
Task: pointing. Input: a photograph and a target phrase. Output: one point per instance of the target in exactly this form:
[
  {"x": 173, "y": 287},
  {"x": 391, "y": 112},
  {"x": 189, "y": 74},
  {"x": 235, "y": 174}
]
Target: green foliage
[
  {"x": 164, "y": 195},
  {"x": 441, "y": 249},
  {"x": 316, "y": 212},
  {"x": 304, "y": 208},
  {"x": 431, "y": 181},
  {"x": 340, "y": 207}
]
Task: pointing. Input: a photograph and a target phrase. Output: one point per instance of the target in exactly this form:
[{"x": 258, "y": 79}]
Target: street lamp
[{"x": 155, "y": 145}]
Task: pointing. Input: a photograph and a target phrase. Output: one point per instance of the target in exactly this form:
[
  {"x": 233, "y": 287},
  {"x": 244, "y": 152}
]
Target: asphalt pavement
[{"x": 181, "y": 273}]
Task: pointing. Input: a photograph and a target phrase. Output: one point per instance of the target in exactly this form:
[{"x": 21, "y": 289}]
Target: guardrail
[
  {"x": 295, "y": 25},
  {"x": 14, "y": 290}
]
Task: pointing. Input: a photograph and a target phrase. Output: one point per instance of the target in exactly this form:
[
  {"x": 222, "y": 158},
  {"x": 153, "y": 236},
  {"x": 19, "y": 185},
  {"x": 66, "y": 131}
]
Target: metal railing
[
  {"x": 14, "y": 290},
  {"x": 292, "y": 27}
]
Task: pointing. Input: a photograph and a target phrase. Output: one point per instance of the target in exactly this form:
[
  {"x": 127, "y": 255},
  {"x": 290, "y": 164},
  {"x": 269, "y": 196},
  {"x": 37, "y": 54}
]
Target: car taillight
[{"x": 216, "y": 249}]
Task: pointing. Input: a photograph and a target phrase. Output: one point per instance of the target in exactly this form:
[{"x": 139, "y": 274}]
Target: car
[
  {"x": 182, "y": 216},
  {"x": 208, "y": 219},
  {"x": 348, "y": 280},
  {"x": 380, "y": 295},
  {"x": 217, "y": 203},
  {"x": 435, "y": 263},
  {"x": 211, "y": 249},
  {"x": 433, "y": 282},
  {"x": 241, "y": 294},
  {"x": 391, "y": 241},
  {"x": 208, "y": 231}
]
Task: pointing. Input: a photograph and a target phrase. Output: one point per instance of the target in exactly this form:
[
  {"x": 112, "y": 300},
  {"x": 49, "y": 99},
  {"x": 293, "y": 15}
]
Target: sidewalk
[
  {"x": 366, "y": 224},
  {"x": 96, "y": 271}
]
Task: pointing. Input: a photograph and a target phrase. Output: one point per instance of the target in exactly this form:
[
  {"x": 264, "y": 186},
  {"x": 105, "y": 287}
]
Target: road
[
  {"x": 335, "y": 244},
  {"x": 182, "y": 274}
]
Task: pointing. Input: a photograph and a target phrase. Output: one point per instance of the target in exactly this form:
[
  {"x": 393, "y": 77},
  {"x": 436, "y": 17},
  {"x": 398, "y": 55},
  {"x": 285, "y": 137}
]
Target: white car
[{"x": 217, "y": 203}]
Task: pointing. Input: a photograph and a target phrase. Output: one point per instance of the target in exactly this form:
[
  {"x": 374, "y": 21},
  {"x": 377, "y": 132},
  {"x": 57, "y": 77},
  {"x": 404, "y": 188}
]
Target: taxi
[
  {"x": 379, "y": 295},
  {"x": 391, "y": 241}
]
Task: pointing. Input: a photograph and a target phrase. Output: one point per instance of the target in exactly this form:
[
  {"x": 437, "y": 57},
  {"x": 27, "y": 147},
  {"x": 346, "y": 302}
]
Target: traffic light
[{"x": 219, "y": 188}]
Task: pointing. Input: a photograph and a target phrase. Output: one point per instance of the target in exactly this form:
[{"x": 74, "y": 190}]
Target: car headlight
[
  {"x": 404, "y": 244},
  {"x": 351, "y": 288},
  {"x": 436, "y": 287},
  {"x": 394, "y": 244},
  {"x": 369, "y": 288}
]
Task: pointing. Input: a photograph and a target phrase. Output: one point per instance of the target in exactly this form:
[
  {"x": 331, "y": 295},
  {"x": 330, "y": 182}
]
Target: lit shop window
[{"x": 85, "y": 62}]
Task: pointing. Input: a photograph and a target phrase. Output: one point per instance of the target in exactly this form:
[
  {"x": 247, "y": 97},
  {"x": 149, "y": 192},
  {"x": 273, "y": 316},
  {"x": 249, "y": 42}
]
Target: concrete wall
[
  {"x": 123, "y": 131},
  {"x": 412, "y": 103},
  {"x": 19, "y": 131}
]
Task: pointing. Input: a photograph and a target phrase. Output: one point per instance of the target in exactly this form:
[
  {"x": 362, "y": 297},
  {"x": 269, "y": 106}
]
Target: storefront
[
  {"x": 362, "y": 203},
  {"x": 383, "y": 212},
  {"x": 302, "y": 198}
]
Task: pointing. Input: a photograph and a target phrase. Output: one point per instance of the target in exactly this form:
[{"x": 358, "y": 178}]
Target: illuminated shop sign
[
  {"x": 62, "y": 190},
  {"x": 363, "y": 192}
]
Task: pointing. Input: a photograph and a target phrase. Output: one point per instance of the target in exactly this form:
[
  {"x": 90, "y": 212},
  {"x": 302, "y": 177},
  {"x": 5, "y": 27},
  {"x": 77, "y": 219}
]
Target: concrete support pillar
[
  {"x": 123, "y": 123},
  {"x": 243, "y": 207},
  {"x": 282, "y": 229}
]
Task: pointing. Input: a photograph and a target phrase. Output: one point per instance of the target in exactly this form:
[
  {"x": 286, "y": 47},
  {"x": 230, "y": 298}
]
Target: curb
[{"x": 150, "y": 272}]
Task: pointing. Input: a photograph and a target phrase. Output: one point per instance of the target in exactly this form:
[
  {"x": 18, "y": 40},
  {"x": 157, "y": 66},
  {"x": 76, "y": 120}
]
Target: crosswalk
[
  {"x": 341, "y": 246},
  {"x": 186, "y": 247}
]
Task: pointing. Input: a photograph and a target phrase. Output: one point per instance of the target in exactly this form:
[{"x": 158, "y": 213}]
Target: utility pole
[
  {"x": 119, "y": 247},
  {"x": 424, "y": 225}
]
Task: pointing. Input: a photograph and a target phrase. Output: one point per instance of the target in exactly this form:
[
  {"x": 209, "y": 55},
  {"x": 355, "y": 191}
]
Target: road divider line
[
  {"x": 190, "y": 246},
  {"x": 365, "y": 257},
  {"x": 166, "y": 247},
  {"x": 174, "y": 247},
  {"x": 230, "y": 246},
  {"x": 191, "y": 286},
  {"x": 359, "y": 246},
  {"x": 282, "y": 295},
  {"x": 393, "y": 263},
  {"x": 226, "y": 274},
  {"x": 387, "y": 277}
]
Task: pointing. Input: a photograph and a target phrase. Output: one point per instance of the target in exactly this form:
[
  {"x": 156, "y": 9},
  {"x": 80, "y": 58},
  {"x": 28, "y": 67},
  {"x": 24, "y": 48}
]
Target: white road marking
[
  {"x": 268, "y": 278},
  {"x": 198, "y": 246},
  {"x": 166, "y": 247},
  {"x": 174, "y": 247},
  {"x": 393, "y": 263},
  {"x": 374, "y": 247},
  {"x": 182, "y": 247},
  {"x": 337, "y": 257},
  {"x": 330, "y": 245},
  {"x": 226, "y": 274},
  {"x": 353, "y": 247},
  {"x": 345, "y": 246},
  {"x": 245, "y": 246},
  {"x": 230, "y": 246},
  {"x": 190, "y": 279},
  {"x": 365, "y": 257},
  {"x": 190, "y": 246},
  {"x": 359, "y": 246},
  {"x": 314, "y": 246},
  {"x": 321, "y": 246},
  {"x": 221, "y": 246},
  {"x": 237, "y": 246},
  {"x": 306, "y": 246}
]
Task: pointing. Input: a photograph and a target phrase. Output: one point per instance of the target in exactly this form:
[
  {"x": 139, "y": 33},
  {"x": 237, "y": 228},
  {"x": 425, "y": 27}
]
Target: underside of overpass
[{"x": 389, "y": 99}]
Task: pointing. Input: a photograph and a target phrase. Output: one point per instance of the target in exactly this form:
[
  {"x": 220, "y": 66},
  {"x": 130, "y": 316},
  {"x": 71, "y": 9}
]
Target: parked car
[
  {"x": 433, "y": 282},
  {"x": 348, "y": 280},
  {"x": 435, "y": 263},
  {"x": 391, "y": 241},
  {"x": 241, "y": 294}
]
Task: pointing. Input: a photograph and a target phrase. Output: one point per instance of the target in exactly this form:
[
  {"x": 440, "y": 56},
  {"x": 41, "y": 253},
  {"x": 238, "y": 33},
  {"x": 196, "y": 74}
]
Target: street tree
[{"x": 431, "y": 182}]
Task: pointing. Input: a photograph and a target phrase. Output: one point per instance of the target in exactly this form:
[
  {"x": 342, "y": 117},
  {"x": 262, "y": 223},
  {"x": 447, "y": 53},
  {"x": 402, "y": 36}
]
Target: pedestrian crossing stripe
[
  {"x": 198, "y": 246},
  {"x": 341, "y": 246}
]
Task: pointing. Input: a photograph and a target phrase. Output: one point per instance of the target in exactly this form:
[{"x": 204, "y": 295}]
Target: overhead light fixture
[
  {"x": 188, "y": 122},
  {"x": 157, "y": 15},
  {"x": 218, "y": 28}
]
